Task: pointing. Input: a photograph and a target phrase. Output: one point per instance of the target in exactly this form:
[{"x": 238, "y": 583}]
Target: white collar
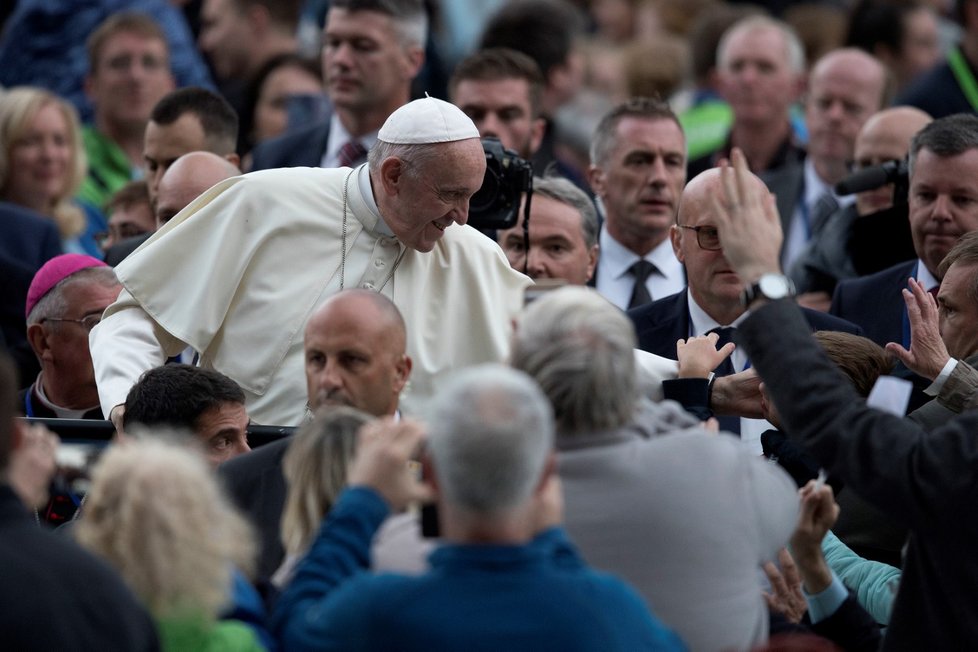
[
  {"x": 620, "y": 258},
  {"x": 815, "y": 187},
  {"x": 924, "y": 277},
  {"x": 366, "y": 189},
  {"x": 339, "y": 136},
  {"x": 61, "y": 412},
  {"x": 701, "y": 323}
]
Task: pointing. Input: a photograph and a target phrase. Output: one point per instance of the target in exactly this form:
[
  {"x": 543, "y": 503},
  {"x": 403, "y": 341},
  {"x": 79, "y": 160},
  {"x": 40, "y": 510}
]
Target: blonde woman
[
  {"x": 42, "y": 164},
  {"x": 315, "y": 468},
  {"x": 156, "y": 513}
]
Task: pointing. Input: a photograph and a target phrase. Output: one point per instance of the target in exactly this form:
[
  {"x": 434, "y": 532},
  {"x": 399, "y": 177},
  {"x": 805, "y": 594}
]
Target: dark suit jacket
[
  {"x": 659, "y": 324},
  {"x": 256, "y": 484},
  {"x": 300, "y": 148},
  {"x": 27, "y": 241},
  {"x": 787, "y": 184},
  {"x": 118, "y": 252},
  {"x": 56, "y": 596},
  {"x": 875, "y": 302},
  {"x": 927, "y": 481}
]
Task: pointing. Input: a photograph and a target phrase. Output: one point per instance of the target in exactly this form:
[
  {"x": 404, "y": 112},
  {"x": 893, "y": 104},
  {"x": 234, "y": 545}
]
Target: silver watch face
[{"x": 774, "y": 286}]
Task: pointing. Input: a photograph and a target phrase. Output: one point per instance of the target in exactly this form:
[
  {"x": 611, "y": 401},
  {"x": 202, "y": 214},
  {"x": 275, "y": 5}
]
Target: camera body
[{"x": 497, "y": 203}]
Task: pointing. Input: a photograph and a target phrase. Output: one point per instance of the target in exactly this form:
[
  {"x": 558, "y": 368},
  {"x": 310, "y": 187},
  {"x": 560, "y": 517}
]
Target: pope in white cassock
[{"x": 238, "y": 272}]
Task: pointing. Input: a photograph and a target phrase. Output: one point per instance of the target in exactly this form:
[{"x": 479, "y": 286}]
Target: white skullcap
[{"x": 427, "y": 120}]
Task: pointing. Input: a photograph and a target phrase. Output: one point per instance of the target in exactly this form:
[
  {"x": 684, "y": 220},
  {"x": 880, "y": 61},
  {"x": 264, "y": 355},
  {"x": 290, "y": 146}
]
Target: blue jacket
[{"x": 538, "y": 596}]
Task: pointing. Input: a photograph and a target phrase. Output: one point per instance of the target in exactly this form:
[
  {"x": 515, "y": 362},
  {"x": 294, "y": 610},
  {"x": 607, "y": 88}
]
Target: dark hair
[
  {"x": 494, "y": 64},
  {"x": 126, "y": 22},
  {"x": 860, "y": 359},
  {"x": 285, "y": 13},
  {"x": 8, "y": 407},
  {"x": 965, "y": 251},
  {"x": 177, "y": 395},
  {"x": 132, "y": 194},
  {"x": 650, "y": 108},
  {"x": 253, "y": 91},
  {"x": 544, "y": 30},
  {"x": 218, "y": 119},
  {"x": 947, "y": 136}
]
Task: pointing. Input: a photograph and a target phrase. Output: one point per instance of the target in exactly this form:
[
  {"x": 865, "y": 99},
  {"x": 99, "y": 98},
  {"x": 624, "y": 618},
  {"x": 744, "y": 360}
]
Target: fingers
[
  {"x": 789, "y": 570},
  {"x": 726, "y": 350},
  {"x": 903, "y": 354},
  {"x": 774, "y": 576}
]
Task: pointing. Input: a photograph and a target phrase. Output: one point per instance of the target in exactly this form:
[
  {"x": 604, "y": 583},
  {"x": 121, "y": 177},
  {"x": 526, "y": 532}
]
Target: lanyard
[
  {"x": 28, "y": 405},
  {"x": 964, "y": 76}
]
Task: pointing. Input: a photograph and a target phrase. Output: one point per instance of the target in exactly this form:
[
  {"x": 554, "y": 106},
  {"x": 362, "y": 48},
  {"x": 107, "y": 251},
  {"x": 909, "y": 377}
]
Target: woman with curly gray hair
[{"x": 156, "y": 513}]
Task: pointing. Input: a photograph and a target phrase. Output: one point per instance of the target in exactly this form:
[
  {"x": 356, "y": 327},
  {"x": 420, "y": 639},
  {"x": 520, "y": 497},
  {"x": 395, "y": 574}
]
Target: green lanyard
[{"x": 964, "y": 76}]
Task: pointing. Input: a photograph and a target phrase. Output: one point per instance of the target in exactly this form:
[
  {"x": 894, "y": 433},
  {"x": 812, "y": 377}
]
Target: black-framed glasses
[
  {"x": 707, "y": 237},
  {"x": 88, "y": 322}
]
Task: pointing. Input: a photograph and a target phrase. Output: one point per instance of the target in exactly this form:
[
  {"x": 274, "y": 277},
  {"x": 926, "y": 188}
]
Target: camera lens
[{"x": 485, "y": 197}]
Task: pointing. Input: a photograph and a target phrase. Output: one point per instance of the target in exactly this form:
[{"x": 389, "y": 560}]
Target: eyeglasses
[
  {"x": 88, "y": 322},
  {"x": 707, "y": 237}
]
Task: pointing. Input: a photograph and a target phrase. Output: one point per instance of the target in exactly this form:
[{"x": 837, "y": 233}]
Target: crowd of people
[{"x": 706, "y": 383}]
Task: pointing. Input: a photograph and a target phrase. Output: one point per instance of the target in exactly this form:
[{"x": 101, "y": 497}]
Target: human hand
[
  {"x": 737, "y": 395},
  {"x": 927, "y": 354},
  {"x": 383, "y": 451},
  {"x": 785, "y": 596},
  {"x": 818, "y": 514},
  {"x": 748, "y": 222},
  {"x": 32, "y": 464},
  {"x": 698, "y": 356}
]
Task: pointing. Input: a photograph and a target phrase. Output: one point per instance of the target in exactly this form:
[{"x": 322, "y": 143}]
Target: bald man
[
  {"x": 846, "y": 87},
  {"x": 185, "y": 180},
  {"x": 354, "y": 351},
  {"x": 711, "y": 302},
  {"x": 847, "y": 248}
]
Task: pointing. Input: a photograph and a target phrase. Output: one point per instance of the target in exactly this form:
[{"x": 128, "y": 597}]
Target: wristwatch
[{"x": 770, "y": 286}]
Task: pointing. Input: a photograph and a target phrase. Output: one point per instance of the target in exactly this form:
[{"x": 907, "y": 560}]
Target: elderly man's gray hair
[
  {"x": 564, "y": 191},
  {"x": 580, "y": 349},
  {"x": 490, "y": 434},
  {"x": 414, "y": 156}
]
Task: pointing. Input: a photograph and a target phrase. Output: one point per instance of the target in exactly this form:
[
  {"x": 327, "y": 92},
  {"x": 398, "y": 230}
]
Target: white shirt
[
  {"x": 799, "y": 233},
  {"x": 339, "y": 136},
  {"x": 701, "y": 323},
  {"x": 615, "y": 281}
]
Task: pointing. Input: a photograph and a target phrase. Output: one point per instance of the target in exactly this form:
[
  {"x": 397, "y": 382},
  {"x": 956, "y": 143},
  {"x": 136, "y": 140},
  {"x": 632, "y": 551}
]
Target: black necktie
[
  {"x": 824, "y": 207},
  {"x": 726, "y": 368},
  {"x": 352, "y": 152},
  {"x": 640, "y": 293}
]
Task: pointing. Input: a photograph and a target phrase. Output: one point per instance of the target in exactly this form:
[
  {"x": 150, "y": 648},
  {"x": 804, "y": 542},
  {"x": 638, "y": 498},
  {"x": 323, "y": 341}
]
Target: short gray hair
[
  {"x": 644, "y": 108},
  {"x": 580, "y": 349},
  {"x": 53, "y": 304},
  {"x": 415, "y": 156},
  {"x": 490, "y": 433},
  {"x": 793, "y": 47},
  {"x": 409, "y": 17},
  {"x": 948, "y": 136},
  {"x": 564, "y": 191}
]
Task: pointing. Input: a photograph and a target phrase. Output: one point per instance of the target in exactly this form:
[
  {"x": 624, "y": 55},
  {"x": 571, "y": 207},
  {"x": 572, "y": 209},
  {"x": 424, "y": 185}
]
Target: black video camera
[{"x": 497, "y": 203}]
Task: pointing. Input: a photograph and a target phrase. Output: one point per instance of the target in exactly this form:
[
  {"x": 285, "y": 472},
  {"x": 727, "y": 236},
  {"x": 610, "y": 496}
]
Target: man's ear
[
  {"x": 595, "y": 177},
  {"x": 37, "y": 335},
  {"x": 391, "y": 175},
  {"x": 676, "y": 236},
  {"x": 402, "y": 371},
  {"x": 233, "y": 159},
  {"x": 413, "y": 60},
  {"x": 592, "y": 259},
  {"x": 537, "y": 128},
  {"x": 549, "y": 470}
]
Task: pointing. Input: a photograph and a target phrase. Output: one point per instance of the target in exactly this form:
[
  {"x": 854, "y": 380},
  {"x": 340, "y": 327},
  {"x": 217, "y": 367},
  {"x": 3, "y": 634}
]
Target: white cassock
[{"x": 238, "y": 272}]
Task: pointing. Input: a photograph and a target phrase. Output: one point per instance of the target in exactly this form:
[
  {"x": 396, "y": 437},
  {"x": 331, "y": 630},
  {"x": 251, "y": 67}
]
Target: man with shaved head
[
  {"x": 188, "y": 178},
  {"x": 846, "y": 87},
  {"x": 354, "y": 355},
  {"x": 711, "y": 302},
  {"x": 185, "y": 180},
  {"x": 832, "y": 257}
]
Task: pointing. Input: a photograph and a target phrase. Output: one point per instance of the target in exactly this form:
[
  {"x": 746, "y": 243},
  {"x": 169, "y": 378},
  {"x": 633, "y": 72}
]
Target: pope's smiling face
[{"x": 419, "y": 199}]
